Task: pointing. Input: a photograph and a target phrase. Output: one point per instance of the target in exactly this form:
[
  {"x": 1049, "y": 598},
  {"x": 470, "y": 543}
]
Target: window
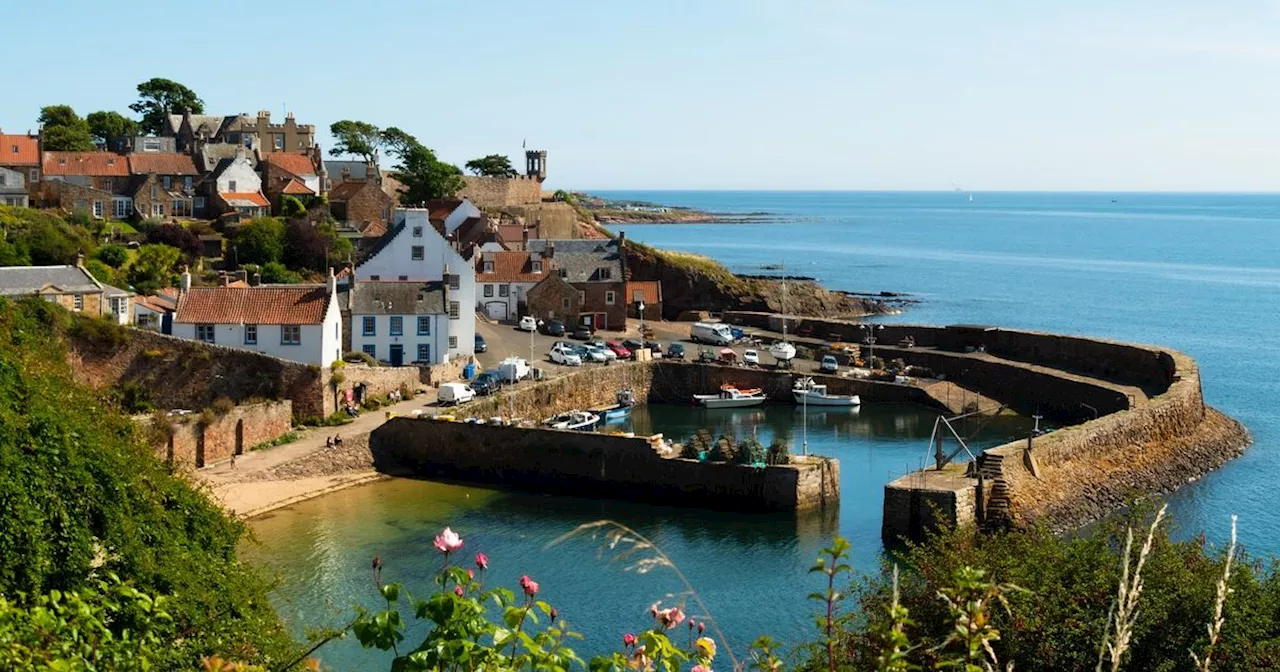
[
  {"x": 537, "y": 267},
  {"x": 582, "y": 298},
  {"x": 488, "y": 291},
  {"x": 119, "y": 305},
  {"x": 564, "y": 303},
  {"x": 250, "y": 334},
  {"x": 488, "y": 267},
  {"x": 231, "y": 186},
  {"x": 277, "y": 140},
  {"x": 564, "y": 272},
  {"x": 248, "y": 141},
  {"x": 168, "y": 182},
  {"x": 35, "y": 174},
  {"x": 504, "y": 290},
  {"x": 386, "y": 212},
  {"x": 79, "y": 204},
  {"x": 199, "y": 203},
  {"x": 77, "y": 302},
  {"x": 155, "y": 191},
  {"x": 108, "y": 184},
  {"x": 424, "y": 352},
  {"x": 1, "y": 179},
  {"x": 424, "y": 325},
  {"x": 417, "y": 232},
  {"x": 370, "y": 349},
  {"x": 204, "y": 332},
  {"x": 375, "y": 278},
  {"x": 608, "y": 298},
  {"x": 177, "y": 208},
  {"x": 97, "y": 209},
  {"x": 453, "y": 310},
  {"x": 417, "y": 252},
  {"x": 453, "y": 341},
  {"x": 606, "y": 273},
  {"x": 15, "y": 149},
  {"x": 186, "y": 182},
  {"x": 121, "y": 208},
  {"x": 397, "y": 325},
  {"x": 151, "y": 145},
  {"x": 404, "y": 278},
  {"x": 370, "y": 326},
  {"x": 455, "y": 281},
  {"x": 157, "y": 209},
  {"x": 290, "y": 334}
]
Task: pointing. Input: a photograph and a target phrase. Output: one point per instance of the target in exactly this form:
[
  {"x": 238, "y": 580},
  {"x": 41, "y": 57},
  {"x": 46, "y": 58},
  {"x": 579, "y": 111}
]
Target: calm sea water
[{"x": 1195, "y": 272}]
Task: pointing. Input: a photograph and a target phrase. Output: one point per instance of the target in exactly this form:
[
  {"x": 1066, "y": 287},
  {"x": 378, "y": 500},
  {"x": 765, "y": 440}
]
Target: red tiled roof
[
  {"x": 510, "y": 267},
  {"x": 346, "y": 190},
  {"x": 155, "y": 303},
  {"x": 298, "y": 164},
  {"x": 442, "y": 208},
  {"x": 301, "y": 304},
  {"x": 253, "y": 197},
  {"x": 374, "y": 229},
  {"x": 514, "y": 233},
  {"x": 163, "y": 164},
  {"x": 19, "y": 150},
  {"x": 652, "y": 291},
  {"x": 98, "y": 164},
  {"x": 297, "y": 188}
]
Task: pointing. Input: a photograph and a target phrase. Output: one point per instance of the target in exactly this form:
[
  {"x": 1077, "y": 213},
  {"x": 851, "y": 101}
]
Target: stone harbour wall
[
  {"x": 590, "y": 387},
  {"x": 378, "y": 381},
  {"x": 198, "y": 440}
]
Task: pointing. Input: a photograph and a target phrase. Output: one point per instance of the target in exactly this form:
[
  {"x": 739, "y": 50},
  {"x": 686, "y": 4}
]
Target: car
[
  {"x": 597, "y": 346},
  {"x": 632, "y": 344},
  {"x": 528, "y": 323},
  {"x": 829, "y": 364},
  {"x": 488, "y": 382},
  {"x": 566, "y": 354},
  {"x": 591, "y": 354},
  {"x": 618, "y": 349},
  {"x": 675, "y": 351},
  {"x": 553, "y": 328},
  {"x": 751, "y": 357},
  {"x": 481, "y": 346},
  {"x": 582, "y": 333}
]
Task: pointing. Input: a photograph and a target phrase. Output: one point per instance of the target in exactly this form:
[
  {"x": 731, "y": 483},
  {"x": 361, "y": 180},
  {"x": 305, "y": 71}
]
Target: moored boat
[
  {"x": 731, "y": 397},
  {"x": 626, "y": 400},
  {"x": 582, "y": 421},
  {"x": 808, "y": 392}
]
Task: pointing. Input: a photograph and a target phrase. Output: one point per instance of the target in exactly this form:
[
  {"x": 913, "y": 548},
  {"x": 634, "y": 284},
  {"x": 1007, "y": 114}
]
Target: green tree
[
  {"x": 153, "y": 266},
  {"x": 159, "y": 97},
  {"x": 356, "y": 137},
  {"x": 101, "y": 272},
  {"x": 424, "y": 176},
  {"x": 114, "y": 256},
  {"x": 62, "y": 130},
  {"x": 493, "y": 165},
  {"x": 290, "y": 206},
  {"x": 261, "y": 241},
  {"x": 278, "y": 274},
  {"x": 108, "y": 125}
]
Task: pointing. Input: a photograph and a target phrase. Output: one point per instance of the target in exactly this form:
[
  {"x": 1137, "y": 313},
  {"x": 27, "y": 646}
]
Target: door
[
  {"x": 397, "y": 354},
  {"x": 496, "y": 310}
]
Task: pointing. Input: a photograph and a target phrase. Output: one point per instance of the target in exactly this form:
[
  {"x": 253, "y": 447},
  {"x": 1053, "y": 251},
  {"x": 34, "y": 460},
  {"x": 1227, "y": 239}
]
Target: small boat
[
  {"x": 621, "y": 409},
  {"x": 582, "y": 421},
  {"x": 731, "y": 397},
  {"x": 782, "y": 351},
  {"x": 807, "y": 392}
]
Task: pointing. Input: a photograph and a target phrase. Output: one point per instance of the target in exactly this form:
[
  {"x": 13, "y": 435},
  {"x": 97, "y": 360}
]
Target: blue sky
[{"x": 687, "y": 94}]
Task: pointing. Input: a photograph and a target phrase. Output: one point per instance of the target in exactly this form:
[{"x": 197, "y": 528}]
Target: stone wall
[
  {"x": 585, "y": 463},
  {"x": 590, "y": 387},
  {"x": 198, "y": 440},
  {"x": 555, "y": 221},
  {"x": 493, "y": 192},
  {"x": 444, "y": 372},
  {"x": 378, "y": 381}
]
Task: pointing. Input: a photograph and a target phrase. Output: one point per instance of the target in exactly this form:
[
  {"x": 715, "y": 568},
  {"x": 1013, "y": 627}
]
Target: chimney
[
  {"x": 79, "y": 259},
  {"x": 551, "y": 249},
  {"x": 186, "y": 279},
  {"x": 331, "y": 283},
  {"x": 242, "y": 276},
  {"x": 257, "y": 280},
  {"x": 223, "y": 279},
  {"x": 524, "y": 238}
]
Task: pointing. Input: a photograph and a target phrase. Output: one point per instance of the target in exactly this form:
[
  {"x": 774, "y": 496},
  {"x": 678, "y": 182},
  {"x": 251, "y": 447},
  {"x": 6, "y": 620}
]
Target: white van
[
  {"x": 455, "y": 393},
  {"x": 514, "y": 369},
  {"x": 715, "y": 334}
]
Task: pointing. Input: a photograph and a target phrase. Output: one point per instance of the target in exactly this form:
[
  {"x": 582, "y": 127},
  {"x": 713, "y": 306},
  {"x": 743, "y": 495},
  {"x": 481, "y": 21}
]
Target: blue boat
[{"x": 618, "y": 411}]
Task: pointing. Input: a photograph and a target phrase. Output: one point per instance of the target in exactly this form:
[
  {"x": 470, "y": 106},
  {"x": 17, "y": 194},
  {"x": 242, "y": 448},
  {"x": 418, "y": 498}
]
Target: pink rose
[
  {"x": 482, "y": 561},
  {"x": 528, "y": 585},
  {"x": 702, "y": 626},
  {"x": 448, "y": 541},
  {"x": 700, "y": 668},
  {"x": 458, "y": 590},
  {"x": 670, "y": 618},
  {"x": 471, "y": 574},
  {"x": 628, "y": 640}
]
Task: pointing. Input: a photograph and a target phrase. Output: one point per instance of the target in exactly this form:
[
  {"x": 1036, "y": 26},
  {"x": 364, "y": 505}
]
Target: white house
[
  {"x": 452, "y": 213},
  {"x": 155, "y": 312},
  {"x": 504, "y": 278},
  {"x": 413, "y": 250},
  {"x": 13, "y": 188},
  {"x": 300, "y": 323},
  {"x": 238, "y": 186},
  {"x": 398, "y": 322}
]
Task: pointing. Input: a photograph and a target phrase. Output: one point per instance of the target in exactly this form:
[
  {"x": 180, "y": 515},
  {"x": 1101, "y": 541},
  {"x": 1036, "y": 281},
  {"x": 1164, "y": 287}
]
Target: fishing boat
[
  {"x": 626, "y": 399},
  {"x": 731, "y": 397},
  {"x": 808, "y": 392},
  {"x": 582, "y": 421}
]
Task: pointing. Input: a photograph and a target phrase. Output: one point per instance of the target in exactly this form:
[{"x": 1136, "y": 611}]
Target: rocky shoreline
[{"x": 609, "y": 211}]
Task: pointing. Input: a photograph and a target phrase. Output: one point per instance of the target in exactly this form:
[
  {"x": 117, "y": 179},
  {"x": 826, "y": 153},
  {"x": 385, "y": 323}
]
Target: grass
[{"x": 283, "y": 439}]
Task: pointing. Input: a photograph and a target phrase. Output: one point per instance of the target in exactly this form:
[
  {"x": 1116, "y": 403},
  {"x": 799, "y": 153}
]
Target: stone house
[
  {"x": 597, "y": 269},
  {"x": 13, "y": 188},
  {"x": 253, "y": 133},
  {"x": 361, "y": 202},
  {"x": 21, "y": 153},
  {"x": 291, "y": 174},
  {"x": 103, "y": 172},
  {"x": 71, "y": 287},
  {"x": 165, "y": 185},
  {"x": 338, "y": 172},
  {"x": 70, "y": 197},
  {"x": 505, "y": 279},
  {"x": 555, "y": 299},
  {"x": 397, "y": 322}
]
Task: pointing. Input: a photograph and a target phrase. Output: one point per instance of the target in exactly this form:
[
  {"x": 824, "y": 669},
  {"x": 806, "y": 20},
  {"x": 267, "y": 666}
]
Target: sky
[{"x": 705, "y": 94}]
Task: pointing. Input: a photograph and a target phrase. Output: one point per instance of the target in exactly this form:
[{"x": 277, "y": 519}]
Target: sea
[{"x": 1195, "y": 272}]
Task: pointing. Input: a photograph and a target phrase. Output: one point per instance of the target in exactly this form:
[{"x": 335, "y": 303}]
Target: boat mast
[{"x": 783, "y": 266}]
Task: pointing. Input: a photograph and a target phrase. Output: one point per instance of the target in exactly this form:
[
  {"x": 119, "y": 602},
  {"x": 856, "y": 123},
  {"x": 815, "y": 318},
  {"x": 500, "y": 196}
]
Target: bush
[
  {"x": 290, "y": 206},
  {"x": 135, "y": 398},
  {"x": 114, "y": 256},
  {"x": 355, "y": 357},
  {"x": 779, "y": 453},
  {"x": 223, "y": 405},
  {"x": 276, "y": 273}
]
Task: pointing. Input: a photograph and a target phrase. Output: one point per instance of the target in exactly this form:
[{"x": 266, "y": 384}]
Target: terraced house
[
  {"x": 21, "y": 153},
  {"x": 71, "y": 287},
  {"x": 397, "y": 322},
  {"x": 165, "y": 185}
]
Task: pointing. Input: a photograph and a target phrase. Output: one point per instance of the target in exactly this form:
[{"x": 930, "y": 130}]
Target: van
[
  {"x": 715, "y": 334},
  {"x": 514, "y": 369},
  {"x": 455, "y": 393}
]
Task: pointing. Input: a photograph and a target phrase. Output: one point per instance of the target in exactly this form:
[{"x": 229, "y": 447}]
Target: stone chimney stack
[
  {"x": 79, "y": 259},
  {"x": 551, "y": 249},
  {"x": 186, "y": 279},
  {"x": 257, "y": 280},
  {"x": 331, "y": 283}
]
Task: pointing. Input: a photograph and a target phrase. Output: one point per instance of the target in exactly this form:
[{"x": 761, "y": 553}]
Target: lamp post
[
  {"x": 871, "y": 341},
  {"x": 641, "y": 307}
]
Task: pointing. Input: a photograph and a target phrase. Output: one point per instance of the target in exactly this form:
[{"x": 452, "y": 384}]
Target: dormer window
[
  {"x": 15, "y": 149},
  {"x": 605, "y": 273},
  {"x": 231, "y": 186},
  {"x": 488, "y": 267},
  {"x": 537, "y": 267}
]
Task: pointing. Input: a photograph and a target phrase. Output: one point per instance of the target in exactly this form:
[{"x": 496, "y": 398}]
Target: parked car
[
  {"x": 582, "y": 333},
  {"x": 829, "y": 364},
  {"x": 622, "y": 351},
  {"x": 751, "y": 357},
  {"x": 553, "y": 328},
  {"x": 566, "y": 354},
  {"x": 528, "y": 323},
  {"x": 597, "y": 346},
  {"x": 591, "y": 354},
  {"x": 632, "y": 344},
  {"x": 675, "y": 351},
  {"x": 488, "y": 382},
  {"x": 455, "y": 393},
  {"x": 481, "y": 346}
]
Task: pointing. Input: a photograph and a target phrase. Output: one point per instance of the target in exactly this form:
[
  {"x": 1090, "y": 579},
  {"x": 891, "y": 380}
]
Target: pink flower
[
  {"x": 692, "y": 624},
  {"x": 653, "y": 610},
  {"x": 458, "y": 590},
  {"x": 528, "y": 585},
  {"x": 471, "y": 574},
  {"x": 670, "y": 618},
  {"x": 554, "y": 613},
  {"x": 482, "y": 561},
  {"x": 628, "y": 640},
  {"x": 448, "y": 541},
  {"x": 702, "y": 627},
  {"x": 700, "y": 668}
]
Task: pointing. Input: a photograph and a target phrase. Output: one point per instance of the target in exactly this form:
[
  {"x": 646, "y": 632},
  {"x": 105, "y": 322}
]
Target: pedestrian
[
  {"x": 337, "y": 440},
  {"x": 233, "y": 461},
  {"x": 328, "y": 442}
]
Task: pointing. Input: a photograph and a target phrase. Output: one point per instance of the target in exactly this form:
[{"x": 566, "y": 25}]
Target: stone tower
[{"x": 535, "y": 161}]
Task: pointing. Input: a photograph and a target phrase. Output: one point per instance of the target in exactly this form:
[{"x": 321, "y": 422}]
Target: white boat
[
  {"x": 782, "y": 351},
  {"x": 810, "y": 393},
  {"x": 731, "y": 397},
  {"x": 582, "y": 421}
]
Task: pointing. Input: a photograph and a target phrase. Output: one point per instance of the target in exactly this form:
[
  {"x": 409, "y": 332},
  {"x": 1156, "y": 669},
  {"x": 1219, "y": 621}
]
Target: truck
[
  {"x": 514, "y": 369},
  {"x": 708, "y": 332}
]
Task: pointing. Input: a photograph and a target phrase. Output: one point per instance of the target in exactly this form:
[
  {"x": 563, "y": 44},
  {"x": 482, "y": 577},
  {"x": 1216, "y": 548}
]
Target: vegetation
[
  {"x": 158, "y": 98},
  {"x": 177, "y": 236},
  {"x": 493, "y": 165},
  {"x": 259, "y": 241},
  {"x": 424, "y": 176},
  {"x": 152, "y": 269},
  {"x": 356, "y": 137},
  {"x": 32, "y": 237},
  {"x": 283, "y": 439},
  {"x": 105, "y": 126},
  {"x": 62, "y": 130},
  {"x": 290, "y": 206}
]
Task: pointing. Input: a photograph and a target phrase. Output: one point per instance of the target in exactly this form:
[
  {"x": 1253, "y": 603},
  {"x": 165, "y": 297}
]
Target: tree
[
  {"x": 150, "y": 270},
  {"x": 493, "y": 165},
  {"x": 175, "y": 235},
  {"x": 291, "y": 207},
  {"x": 356, "y": 137},
  {"x": 62, "y": 130},
  {"x": 424, "y": 176},
  {"x": 158, "y": 98},
  {"x": 261, "y": 241},
  {"x": 114, "y": 256},
  {"x": 108, "y": 125},
  {"x": 313, "y": 247}
]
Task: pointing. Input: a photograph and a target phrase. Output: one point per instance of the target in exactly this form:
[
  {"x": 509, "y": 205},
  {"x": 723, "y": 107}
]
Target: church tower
[{"x": 536, "y": 164}]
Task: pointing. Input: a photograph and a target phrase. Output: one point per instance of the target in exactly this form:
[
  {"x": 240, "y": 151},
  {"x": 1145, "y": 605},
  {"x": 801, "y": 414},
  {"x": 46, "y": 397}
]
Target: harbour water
[{"x": 1195, "y": 272}]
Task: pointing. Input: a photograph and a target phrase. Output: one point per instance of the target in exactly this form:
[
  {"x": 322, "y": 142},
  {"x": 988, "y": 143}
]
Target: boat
[
  {"x": 731, "y": 397},
  {"x": 626, "y": 399},
  {"x": 810, "y": 393},
  {"x": 582, "y": 421},
  {"x": 782, "y": 350}
]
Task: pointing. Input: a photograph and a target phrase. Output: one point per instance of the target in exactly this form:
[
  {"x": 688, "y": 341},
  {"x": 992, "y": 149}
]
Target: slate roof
[
  {"x": 394, "y": 298},
  {"x": 346, "y": 190},
  {"x": 277, "y": 304},
  {"x": 97, "y": 164},
  {"x": 211, "y": 124},
  {"x": 298, "y": 164},
  {"x": 582, "y": 260},
  {"x": 163, "y": 164},
  {"x": 356, "y": 170},
  {"x": 510, "y": 267},
  {"x": 23, "y": 280},
  {"x": 216, "y": 156},
  {"x": 19, "y": 150}
]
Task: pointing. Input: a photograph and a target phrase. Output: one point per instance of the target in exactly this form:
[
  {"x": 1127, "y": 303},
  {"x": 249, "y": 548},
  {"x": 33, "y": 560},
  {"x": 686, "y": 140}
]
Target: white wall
[
  {"x": 139, "y": 311},
  {"x": 382, "y": 338},
  {"x": 242, "y": 173},
  {"x": 459, "y": 215},
  {"x": 331, "y": 331},
  {"x": 317, "y": 345},
  {"x": 516, "y": 292}
]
